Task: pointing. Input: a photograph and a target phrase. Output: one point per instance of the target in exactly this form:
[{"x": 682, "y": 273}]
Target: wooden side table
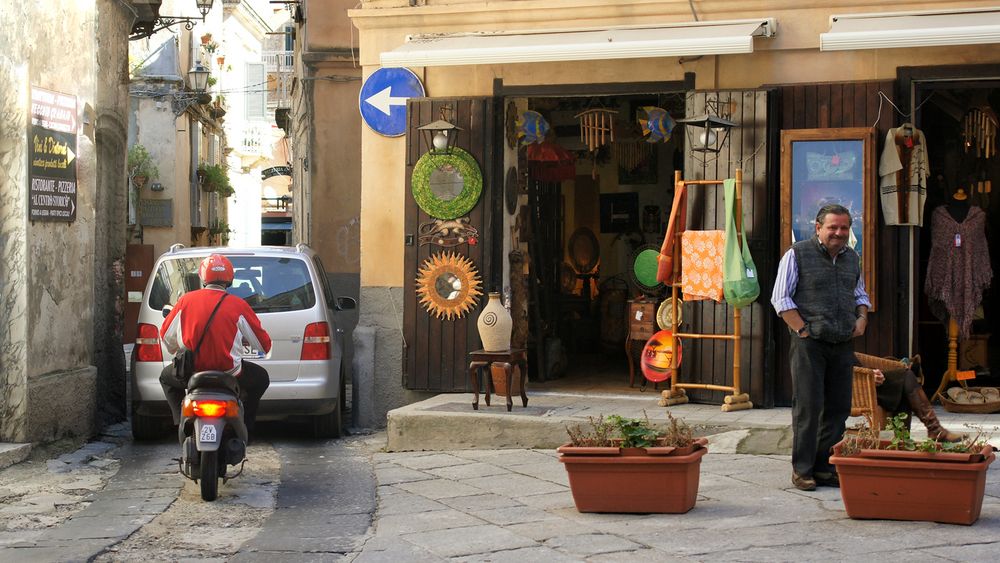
[{"x": 507, "y": 360}]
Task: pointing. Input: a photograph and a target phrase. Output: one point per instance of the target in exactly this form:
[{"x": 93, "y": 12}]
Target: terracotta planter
[
  {"x": 633, "y": 480},
  {"x": 902, "y": 485}
]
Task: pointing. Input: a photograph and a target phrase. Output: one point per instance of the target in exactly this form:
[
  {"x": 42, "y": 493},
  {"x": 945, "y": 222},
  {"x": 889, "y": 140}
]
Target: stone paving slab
[{"x": 747, "y": 510}]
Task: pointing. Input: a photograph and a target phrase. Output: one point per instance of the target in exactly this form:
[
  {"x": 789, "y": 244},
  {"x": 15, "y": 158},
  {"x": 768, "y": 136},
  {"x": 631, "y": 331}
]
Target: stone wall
[{"x": 51, "y": 273}]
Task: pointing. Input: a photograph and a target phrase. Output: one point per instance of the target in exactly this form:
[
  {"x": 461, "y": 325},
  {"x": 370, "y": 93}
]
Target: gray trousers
[{"x": 821, "y": 400}]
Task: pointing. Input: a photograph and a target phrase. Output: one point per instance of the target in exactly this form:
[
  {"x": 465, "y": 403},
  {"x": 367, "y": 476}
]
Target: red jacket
[{"x": 222, "y": 348}]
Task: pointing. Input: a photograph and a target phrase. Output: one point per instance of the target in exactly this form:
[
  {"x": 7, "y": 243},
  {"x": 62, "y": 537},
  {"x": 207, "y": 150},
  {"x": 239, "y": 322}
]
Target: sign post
[{"x": 383, "y": 96}]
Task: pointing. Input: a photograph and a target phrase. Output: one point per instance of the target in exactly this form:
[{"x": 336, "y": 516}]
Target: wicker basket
[{"x": 977, "y": 408}]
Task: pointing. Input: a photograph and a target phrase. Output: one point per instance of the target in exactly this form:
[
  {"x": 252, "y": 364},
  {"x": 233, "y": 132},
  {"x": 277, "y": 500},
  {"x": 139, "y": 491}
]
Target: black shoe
[
  {"x": 803, "y": 483},
  {"x": 827, "y": 479}
]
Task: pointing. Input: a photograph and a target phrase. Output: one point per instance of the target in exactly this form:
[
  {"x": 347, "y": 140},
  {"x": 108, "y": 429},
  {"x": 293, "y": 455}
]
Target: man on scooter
[{"x": 233, "y": 322}]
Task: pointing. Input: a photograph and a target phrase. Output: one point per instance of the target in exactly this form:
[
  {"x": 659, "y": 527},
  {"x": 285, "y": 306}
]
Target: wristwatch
[{"x": 802, "y": 331}]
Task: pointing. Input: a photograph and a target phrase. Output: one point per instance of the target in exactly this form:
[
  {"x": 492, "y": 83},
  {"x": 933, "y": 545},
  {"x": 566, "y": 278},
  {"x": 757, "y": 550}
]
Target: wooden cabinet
[{"x": 641, "y": 319}]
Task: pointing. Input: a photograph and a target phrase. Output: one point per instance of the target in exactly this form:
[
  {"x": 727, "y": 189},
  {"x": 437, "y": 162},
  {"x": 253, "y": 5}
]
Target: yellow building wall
[{"x": 792, "y": 56}]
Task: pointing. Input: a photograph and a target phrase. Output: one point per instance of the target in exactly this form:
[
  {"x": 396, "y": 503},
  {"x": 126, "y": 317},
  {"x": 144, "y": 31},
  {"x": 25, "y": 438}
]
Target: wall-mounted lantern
[
  {"x": 440, "y": 136},
  {"x": 148, "y": 19},
  {"x": 707, "y": 133}
]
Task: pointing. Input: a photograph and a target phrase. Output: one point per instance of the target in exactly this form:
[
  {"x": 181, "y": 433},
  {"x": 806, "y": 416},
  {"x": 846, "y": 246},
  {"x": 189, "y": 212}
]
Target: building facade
[
  {"x": 846, "y": 72},
  {"x": 63, "y": 132}
]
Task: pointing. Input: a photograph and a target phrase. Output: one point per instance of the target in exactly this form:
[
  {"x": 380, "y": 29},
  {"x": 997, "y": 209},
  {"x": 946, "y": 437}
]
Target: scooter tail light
[
  {"x": 147, "y": 344},
  {"x": 209, "y": 408},
  {"x": 316, "y": 342}
]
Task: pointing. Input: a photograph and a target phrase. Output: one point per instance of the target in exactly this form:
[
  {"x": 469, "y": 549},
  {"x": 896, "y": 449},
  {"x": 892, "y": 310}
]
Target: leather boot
[{"x": 925, "y": 412}]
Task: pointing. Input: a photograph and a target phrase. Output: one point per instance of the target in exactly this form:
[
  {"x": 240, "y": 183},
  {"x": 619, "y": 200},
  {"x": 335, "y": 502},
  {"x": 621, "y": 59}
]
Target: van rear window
[{"x": 268, "y": 284}]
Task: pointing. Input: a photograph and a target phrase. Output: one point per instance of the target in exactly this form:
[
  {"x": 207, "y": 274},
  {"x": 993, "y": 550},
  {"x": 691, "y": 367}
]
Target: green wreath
[{"x": 472, "y": 184}]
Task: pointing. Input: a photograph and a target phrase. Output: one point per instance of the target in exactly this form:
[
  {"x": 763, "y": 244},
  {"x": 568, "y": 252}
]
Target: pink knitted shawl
[{"x": 957, "y": 276}]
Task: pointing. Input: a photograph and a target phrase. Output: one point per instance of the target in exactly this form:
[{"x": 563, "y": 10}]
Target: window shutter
[{"x": 256, "y": 91}]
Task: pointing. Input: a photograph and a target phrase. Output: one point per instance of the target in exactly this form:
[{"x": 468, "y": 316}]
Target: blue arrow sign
[{"x": 383, "y": 99}]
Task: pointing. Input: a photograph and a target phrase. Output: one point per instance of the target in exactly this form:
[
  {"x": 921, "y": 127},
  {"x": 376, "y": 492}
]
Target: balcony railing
[
  {"x": 272, "y": 204},
  {"x": 279, "y": 61}
]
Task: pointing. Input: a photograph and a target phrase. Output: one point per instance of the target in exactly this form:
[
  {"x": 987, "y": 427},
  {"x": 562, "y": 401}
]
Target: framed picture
[
  {"x": 823, "y": 166},
  {"x": 619, "y": 212}
]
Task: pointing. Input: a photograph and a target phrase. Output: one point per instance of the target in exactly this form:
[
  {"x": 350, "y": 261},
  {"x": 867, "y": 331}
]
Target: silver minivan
[{"x": 288, "y": 289}]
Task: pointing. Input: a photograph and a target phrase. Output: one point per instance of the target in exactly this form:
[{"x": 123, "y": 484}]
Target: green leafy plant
[
  {"x": 865, "y": 437},
  {"x": 214, "y": 178},
  {"x": 222, "y": 229},
  {"x": 211, "y": 46},
  {"x": 212, "y": 81},
  {"x": 140, "y": 163},
  {"x": 631, "y": 432}
]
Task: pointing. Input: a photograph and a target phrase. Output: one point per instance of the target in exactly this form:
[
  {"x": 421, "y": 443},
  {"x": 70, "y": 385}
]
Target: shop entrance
[
  {"x": 599, "y": 192},
  {"x": 959, "y": 121}
]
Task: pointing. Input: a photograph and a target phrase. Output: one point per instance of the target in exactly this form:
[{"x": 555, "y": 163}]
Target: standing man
[{"x": 820, "y": 294}]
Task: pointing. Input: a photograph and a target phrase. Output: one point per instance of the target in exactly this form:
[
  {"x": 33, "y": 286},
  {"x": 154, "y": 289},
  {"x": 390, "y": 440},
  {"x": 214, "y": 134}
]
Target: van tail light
[
  {"x": 316, "y": 342},
  {"x": 147, "y": 344},
  {"x": 209, "y": 408}
]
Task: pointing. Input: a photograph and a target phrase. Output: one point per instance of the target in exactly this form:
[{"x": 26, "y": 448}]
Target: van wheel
[
  {"x": 330, "y": 425},
  {"x": 145, "y": 427},
  {"x": 327, "y": 425}
]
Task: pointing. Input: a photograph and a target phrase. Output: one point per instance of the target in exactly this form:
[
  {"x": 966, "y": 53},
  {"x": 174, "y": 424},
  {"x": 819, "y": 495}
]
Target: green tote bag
[{"x": 739, "y": 273}]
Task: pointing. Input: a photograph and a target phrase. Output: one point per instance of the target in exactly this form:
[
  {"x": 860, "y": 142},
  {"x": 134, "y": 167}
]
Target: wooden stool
[{"x": 507, "y": 360}]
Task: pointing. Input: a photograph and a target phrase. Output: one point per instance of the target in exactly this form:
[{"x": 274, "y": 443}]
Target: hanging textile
[
  {"x": 676, "y": 225},
  {"x": 959, "y": 267},
  {"x": 903, "y": 171},
  {"x": 701, "y": 264},
  {"x": 739, "y": 273}
]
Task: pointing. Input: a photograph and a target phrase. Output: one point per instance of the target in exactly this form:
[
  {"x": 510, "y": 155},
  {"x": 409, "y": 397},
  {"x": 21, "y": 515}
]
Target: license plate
[
  {"x": 208, "y": 434},
  {"x": 250, "y": 352}
]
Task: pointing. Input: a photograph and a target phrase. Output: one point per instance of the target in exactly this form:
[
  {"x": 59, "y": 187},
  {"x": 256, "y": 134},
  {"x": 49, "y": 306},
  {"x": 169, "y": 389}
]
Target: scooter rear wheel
[{"x": 209, "y": 479}]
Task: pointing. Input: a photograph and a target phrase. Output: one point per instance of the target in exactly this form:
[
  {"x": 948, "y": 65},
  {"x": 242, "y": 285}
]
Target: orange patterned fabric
[{"x": 701, "y": 264}]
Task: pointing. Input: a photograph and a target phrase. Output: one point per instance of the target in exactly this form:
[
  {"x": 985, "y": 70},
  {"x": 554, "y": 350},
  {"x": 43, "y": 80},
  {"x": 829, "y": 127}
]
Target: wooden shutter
[
  {"x": 749, "y": 147},
  {"x": 256, "y": 91},
  {"x": 436, "y": 354}
]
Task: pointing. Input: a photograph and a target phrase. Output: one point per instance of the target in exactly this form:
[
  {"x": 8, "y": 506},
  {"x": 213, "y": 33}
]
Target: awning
[
  {"x": 673, "y": 40},
  {"x": 276, "y": 226},
  {"x": 912, "y": 29}
]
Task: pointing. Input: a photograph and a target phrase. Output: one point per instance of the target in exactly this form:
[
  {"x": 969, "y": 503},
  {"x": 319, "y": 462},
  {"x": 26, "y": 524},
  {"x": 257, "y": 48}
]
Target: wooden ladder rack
[{"x": 676, "y": 395}]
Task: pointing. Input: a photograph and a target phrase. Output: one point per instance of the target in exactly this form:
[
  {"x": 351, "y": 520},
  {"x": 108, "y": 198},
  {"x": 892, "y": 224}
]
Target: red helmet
[{"x": 216, "y": 269}]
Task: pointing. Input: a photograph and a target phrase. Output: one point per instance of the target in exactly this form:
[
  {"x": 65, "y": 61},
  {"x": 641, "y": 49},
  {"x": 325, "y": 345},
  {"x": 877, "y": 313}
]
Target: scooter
[{"x": 212, "y": 432}]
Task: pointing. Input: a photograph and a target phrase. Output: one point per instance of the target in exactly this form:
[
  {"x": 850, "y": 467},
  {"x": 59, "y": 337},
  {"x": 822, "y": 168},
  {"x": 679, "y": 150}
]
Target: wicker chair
[{"x": 863, "y": 397}]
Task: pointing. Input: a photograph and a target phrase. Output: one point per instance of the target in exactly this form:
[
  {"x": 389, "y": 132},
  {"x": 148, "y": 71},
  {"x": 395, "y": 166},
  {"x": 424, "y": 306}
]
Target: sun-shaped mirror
[
  {"x": 446, "y": 186},
  {"x": 448, "y": 285}
]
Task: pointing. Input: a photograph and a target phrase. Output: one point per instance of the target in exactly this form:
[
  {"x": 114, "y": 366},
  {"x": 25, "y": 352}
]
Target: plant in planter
[
  {"x": 214, "y": 178},
  {"x": 628, "y": 465},
  {"x": 220, "y": 229},
  {"x": 141, "y": 166},
  {"x": 206, "y": 38},
  {"x": 898, "y": 478}
]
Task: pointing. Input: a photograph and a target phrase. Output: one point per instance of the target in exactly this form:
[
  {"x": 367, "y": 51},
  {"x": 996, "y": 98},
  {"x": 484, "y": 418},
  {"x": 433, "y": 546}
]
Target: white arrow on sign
[
  {"x": 384, "y": 100},
  {"x": 70, "y": 155}
]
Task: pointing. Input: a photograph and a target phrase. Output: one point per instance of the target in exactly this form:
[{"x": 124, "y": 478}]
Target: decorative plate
[
  {"x": 448, "y": 285},
  {"x": 510, "y": 190},
  {"x": 664, "y": 313},
  {"x": 447, "y": 186},
  {"x": 583, "y": 249},
  {"x": 657, "y": 355},
  {"x": 643, "y": 271}
]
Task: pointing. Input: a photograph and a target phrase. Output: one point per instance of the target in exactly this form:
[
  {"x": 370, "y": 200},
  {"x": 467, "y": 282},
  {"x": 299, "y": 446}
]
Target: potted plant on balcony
[
  {"x": 214, "y": 178},
  {"x": 902, "y": 479},
  {"x": 141, "y": 166},
  {"x": 627, "y": 465},
  {"x": 220, "y": 229}
]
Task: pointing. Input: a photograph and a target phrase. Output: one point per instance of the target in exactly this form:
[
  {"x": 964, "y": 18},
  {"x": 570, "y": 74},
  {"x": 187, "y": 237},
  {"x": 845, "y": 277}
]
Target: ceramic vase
[{"x": 495, "y": 325}]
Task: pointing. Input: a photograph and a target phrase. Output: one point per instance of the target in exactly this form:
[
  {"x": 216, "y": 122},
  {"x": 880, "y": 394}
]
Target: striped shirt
[{"x": 787, "y": 280}]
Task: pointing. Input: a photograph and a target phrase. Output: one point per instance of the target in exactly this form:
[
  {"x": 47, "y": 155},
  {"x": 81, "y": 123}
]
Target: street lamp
[
  {"x": 198, "y": 77},
  {"x": 148, "y": 19}
]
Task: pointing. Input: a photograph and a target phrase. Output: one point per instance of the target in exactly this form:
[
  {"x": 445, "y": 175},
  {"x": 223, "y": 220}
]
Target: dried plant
[
  {"x": 598, "y": 434},
  {"x": 864, "y": 436},
  {"x": 678, "y": 433}
]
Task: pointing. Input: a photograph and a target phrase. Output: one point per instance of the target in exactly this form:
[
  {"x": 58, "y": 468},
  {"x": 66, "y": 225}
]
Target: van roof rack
[
  {"x": 176, "y": 246},
  {"x": 302, "y": 246}
]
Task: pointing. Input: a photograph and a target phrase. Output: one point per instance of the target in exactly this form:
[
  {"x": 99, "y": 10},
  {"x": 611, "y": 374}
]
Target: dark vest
[{"x": 824, "y": 293}]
